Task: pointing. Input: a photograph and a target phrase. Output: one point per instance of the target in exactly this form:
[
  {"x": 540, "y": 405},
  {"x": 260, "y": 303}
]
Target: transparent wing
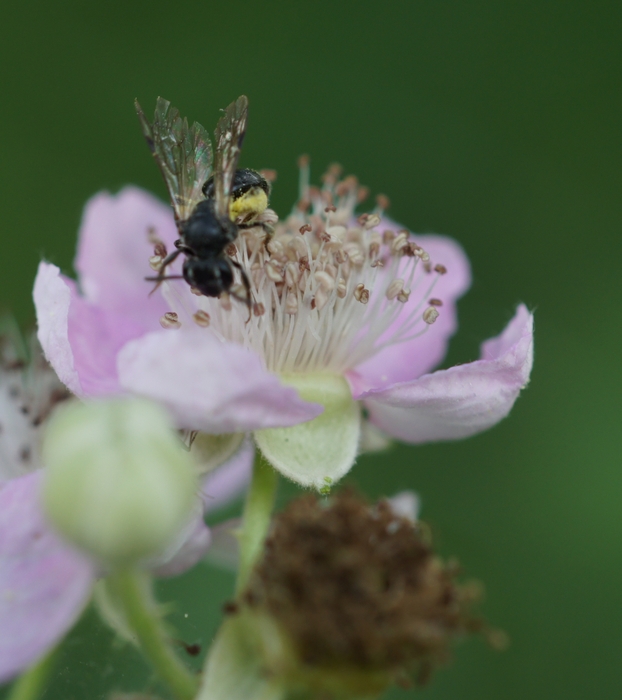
[
  {"x": 229, "y": 135},
  {"x": 183, "y": 154}
]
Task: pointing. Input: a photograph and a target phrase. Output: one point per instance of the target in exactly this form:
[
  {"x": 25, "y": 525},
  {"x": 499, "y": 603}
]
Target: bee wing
[
  {"x": 183, "y": 154},
  {"x": 229, "y": 135}
]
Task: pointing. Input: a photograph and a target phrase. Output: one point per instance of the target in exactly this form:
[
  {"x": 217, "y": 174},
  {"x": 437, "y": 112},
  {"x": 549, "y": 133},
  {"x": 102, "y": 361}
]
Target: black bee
[{"x": 206, "y": 206}]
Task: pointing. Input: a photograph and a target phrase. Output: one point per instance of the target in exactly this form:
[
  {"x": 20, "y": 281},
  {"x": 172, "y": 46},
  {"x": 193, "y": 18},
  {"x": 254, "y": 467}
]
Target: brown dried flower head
[{"x": 358, "y": 594}]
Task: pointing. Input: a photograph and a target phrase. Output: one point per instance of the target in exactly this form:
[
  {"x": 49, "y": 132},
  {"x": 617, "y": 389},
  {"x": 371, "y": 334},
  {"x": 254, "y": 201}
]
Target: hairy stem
[
  {"x": 128, "y": 587},
  {"x": 256, "y": 519}
]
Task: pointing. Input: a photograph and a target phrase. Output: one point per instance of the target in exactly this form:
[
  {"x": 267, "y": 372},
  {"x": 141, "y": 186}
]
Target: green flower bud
[{"x": 118, "y": 484}]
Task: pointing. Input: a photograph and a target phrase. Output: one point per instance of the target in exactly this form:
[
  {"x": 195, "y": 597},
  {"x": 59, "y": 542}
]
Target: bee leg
[
  {"x": 248, "y": 299},
  {"x": 160, "y": 278}
]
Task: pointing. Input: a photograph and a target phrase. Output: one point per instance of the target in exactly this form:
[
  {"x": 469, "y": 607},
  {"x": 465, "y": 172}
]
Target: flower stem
[
  {"x": 30, "y": 684},
  {"x": 256, "y": 519},
  {"x": 128, "y": 587}
]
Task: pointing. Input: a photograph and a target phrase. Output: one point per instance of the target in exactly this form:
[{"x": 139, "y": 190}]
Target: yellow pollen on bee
[{"x": 248, "y": 205}]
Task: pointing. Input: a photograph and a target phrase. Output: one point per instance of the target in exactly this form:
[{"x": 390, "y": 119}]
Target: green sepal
[
  {"x": 319, "y": 452},
  {"x": 234, "y": 669}
]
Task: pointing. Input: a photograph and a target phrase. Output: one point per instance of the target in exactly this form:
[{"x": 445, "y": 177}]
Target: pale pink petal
[
  {"x": 80, "y": 339},
  {"x": 463, "y": 400},
  {"x": 209, "y": 385},
  {"x": 52, "y": 296},
  {"x": 221, "y": 486},
  {"x": 191, "y": 546},
  {"x": 406, "y": 504},
  {"x": 44, "y": 584},
  {"x": 114, "y": 251},
  {"x": 96, "y": 335},
  {"x": 411, "y": 359},
  {"x": 225, "y": 549},
  {"x": 230, "y": 480}
]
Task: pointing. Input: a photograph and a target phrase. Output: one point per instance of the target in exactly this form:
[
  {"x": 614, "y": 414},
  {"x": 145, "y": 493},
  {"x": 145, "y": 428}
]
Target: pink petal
[
  {"x": 220, "y": 487},
  {"x": 44, "y": 585},
  {"x": 225, "y": 549},
  {"x": 114, "y": 251},
  {"x": 80, "y": 339},
  {"x": 190, "y": 548},
  {"x": 230, "y": 479},
  {"x": 209, "y": 385},
  {"x": 463, "y": 400},
  {"x": 52, "y": 296},
  {"x": 411, "y": 359}
]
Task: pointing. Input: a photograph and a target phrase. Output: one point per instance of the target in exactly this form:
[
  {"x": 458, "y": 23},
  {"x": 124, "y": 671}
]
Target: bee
[
  {"x": 207, "y": 204},
  {"x": 249, "y": 197}
]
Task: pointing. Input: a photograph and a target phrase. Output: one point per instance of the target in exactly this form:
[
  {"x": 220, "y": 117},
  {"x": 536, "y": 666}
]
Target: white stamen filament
[{"x": 328, "y": 291}]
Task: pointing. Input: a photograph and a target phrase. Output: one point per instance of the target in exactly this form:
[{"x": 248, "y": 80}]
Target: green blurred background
[{"x": 495, "y": 122}]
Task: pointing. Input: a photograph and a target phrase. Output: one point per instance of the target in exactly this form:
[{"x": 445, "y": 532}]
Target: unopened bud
[{"x": 118, "y": 484}]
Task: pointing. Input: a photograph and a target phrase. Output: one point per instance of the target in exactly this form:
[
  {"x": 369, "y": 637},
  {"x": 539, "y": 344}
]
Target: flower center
[{"x": 329, "y": 290}]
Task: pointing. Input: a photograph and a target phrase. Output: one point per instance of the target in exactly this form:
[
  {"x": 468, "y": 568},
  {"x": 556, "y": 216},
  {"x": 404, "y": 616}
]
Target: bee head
[{"x": 249, "y": 194}]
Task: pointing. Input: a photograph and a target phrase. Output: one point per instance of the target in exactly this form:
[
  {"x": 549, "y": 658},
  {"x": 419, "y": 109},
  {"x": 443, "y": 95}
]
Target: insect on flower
[{"x": 209, "y": 208}]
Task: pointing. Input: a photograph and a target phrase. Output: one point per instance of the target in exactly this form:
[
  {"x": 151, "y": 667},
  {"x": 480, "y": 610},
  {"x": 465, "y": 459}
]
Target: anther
[
  {"x": 292, "y": 272},
  {"x": 382, "y": 201},
  {"x": 404, "y": 295},
  {"x": 362, "y": 194},
  {"x": 372, "y": 221},
  {"x": 201, "y": 318},
  {"x": 231, "y": 250},
  {"x": 268, "y": 174},
  {"x": 303, "y": 161},
  {"x": 325, "y": 281},
  {"x": 330, "y": 208},
  {"x": 341, "y": 288},
  {"x": 394, "y": 288},
  {"x": 155, "y": 261},
  {"x": 441, "y": 269},
  {"x": 355, "y": 254},
  {"x": 435, "y": 302},
  {"x": 303, "y": 263},
  {"x": 399, "y": 242},
  {"x": 361, "y": 294},
  {"x": 275, "y": 248},
  {"x": 341, "y": 256},
  {"x": 272, "y": 271},
  {"x": 307, "y": 228},
  {"x": 430, "y": 315},
  {"x": 337, "y": 232},
  {"x": 258, "y": 309},
  {"x": 410, "y": 250},
  {"x": 160, "y": 249},
  {"x": 196, "y": 292},
  {"x": 388, "y": 236},
  {"x": 363, "y": 219},
  {"x": 170, "y": 320},
  {"x": 291, "y": 304}
]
